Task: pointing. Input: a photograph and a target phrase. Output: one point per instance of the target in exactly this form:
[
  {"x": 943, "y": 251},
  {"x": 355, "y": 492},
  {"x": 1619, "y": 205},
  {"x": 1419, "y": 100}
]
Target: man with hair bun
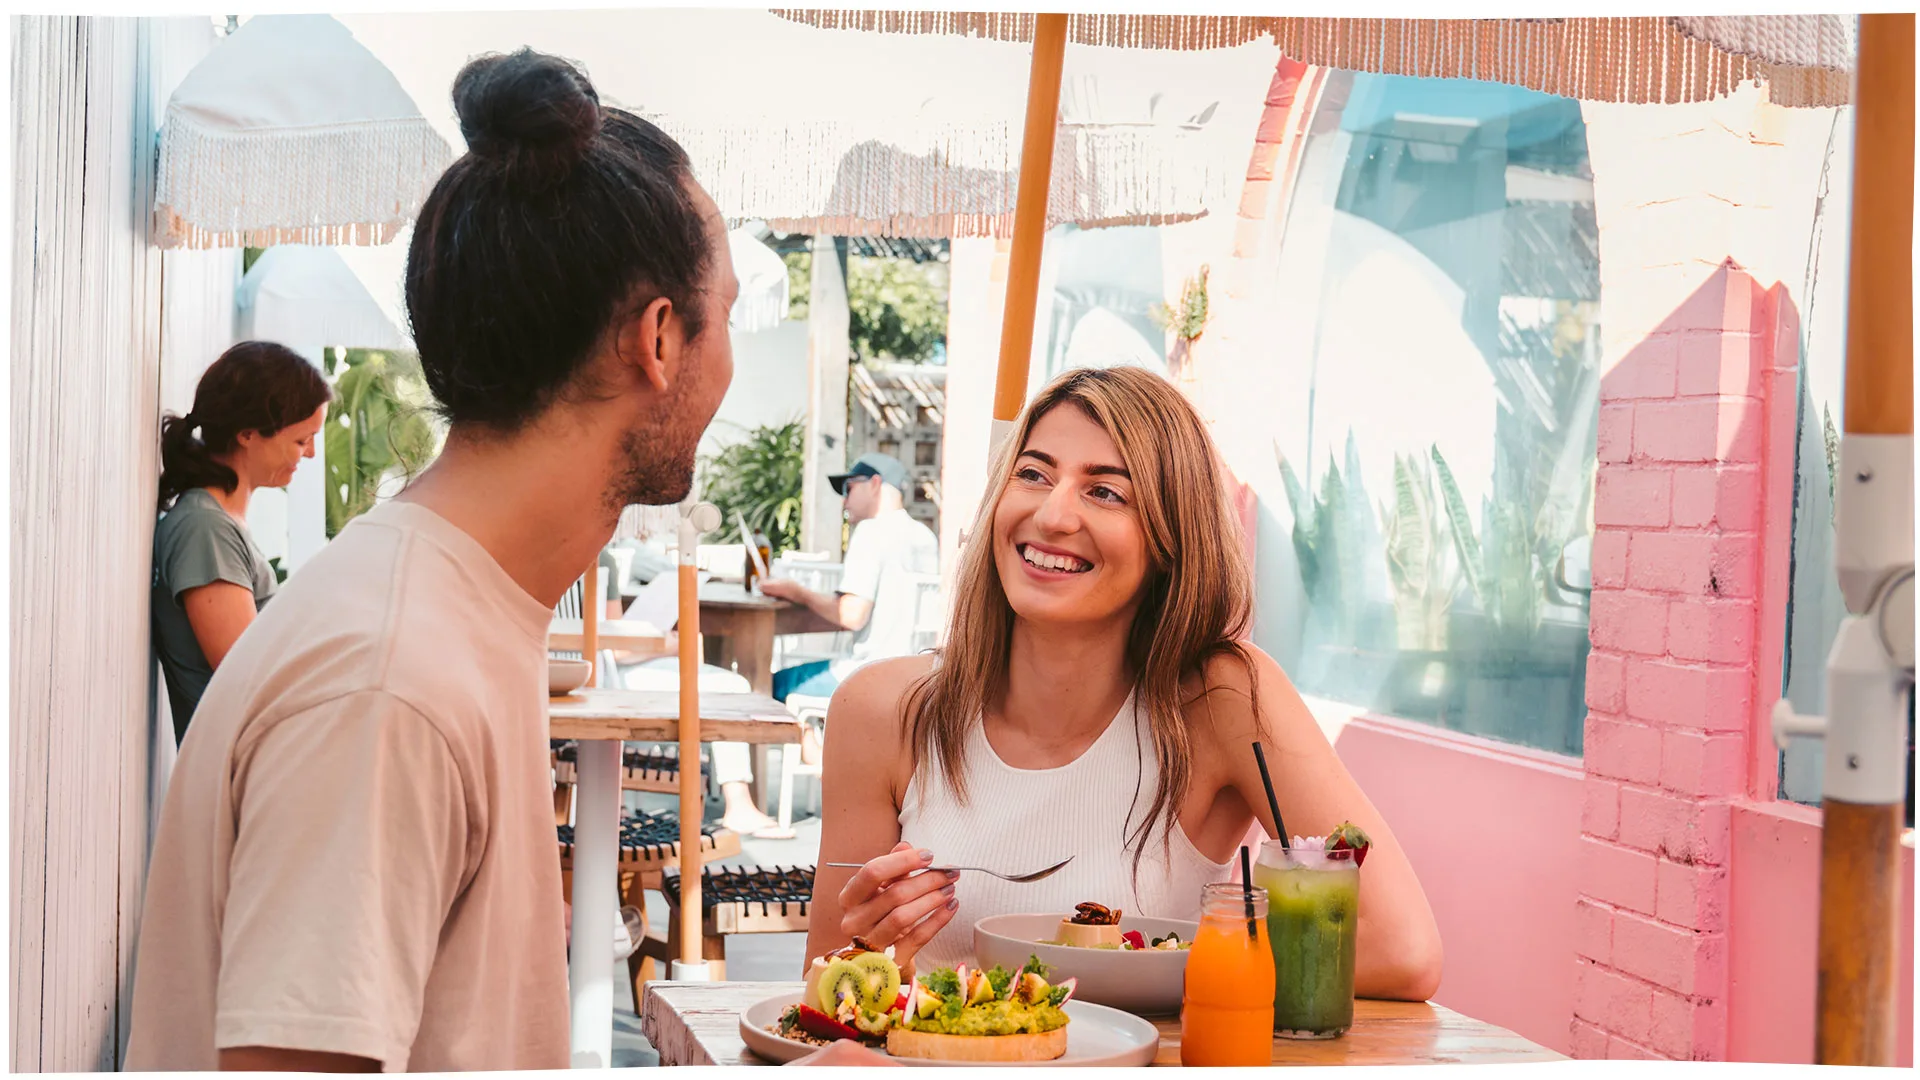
[{"x": 354, "y": 869}]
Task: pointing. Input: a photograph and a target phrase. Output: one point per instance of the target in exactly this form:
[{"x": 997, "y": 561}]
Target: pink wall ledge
[
  {"x": 1494, "y": 833},
  {"x": 1776, "y": 900}
]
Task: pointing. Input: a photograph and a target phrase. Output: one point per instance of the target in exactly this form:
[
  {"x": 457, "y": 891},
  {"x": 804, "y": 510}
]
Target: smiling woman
[
  {"x": 256, "y": 414},
  {"x": 1097, "y": 698}
]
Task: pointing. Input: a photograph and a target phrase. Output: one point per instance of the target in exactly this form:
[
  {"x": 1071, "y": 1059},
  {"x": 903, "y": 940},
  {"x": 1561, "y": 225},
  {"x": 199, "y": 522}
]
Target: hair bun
[{"x": 533, "y": 114}]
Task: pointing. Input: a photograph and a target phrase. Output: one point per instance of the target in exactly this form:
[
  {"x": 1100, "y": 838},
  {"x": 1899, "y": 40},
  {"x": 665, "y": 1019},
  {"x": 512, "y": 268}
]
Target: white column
[
  {"x": 596, "y": 880},
  {"x": 827, "y": 347},
  {"x": 306, "y": 507}
]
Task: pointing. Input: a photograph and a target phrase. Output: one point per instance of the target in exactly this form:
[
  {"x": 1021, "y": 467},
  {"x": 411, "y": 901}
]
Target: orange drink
[{"x": 1226, "y": 1016}]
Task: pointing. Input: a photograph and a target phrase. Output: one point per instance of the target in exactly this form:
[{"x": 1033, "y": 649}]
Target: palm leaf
[{"x": 1465, "y": 543}]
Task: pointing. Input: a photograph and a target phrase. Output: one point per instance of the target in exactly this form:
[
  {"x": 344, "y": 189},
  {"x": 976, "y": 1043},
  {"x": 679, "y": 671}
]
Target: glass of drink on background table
[
  {"x": 1226, "y": 1016},
  {"x": 1313, "y": 910}
]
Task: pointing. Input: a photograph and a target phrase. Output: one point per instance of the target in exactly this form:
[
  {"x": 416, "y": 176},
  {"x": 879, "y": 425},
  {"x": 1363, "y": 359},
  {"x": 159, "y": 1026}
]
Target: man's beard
[{"x": 658, "y": 470}]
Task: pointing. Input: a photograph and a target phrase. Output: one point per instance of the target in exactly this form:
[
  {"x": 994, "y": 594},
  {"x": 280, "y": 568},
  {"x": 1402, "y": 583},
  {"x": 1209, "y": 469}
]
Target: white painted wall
[
  {"x": 769, "y": 383},
  {"x": 87, "y": 385}
]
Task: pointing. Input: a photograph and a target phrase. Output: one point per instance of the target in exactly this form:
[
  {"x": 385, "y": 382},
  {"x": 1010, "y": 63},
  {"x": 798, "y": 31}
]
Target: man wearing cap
[{"x": 875, "y": 599}]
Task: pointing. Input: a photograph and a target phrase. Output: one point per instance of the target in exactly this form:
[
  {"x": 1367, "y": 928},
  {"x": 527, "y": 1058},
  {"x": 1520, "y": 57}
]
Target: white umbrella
[
  {"x": 764, "y": 288},
  {"x": 308, "y": 298},
  {"x": 291, "y": 132}
]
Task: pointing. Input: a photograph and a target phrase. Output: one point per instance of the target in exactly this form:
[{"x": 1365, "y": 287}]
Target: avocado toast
[
  {"x": 951, "y": 1014},
  {"x": 963, "y": 1014}
]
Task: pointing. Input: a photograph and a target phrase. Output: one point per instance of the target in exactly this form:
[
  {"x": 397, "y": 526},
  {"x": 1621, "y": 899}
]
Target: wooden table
[
  {"x": 739, "y": 627},
  {"x": 654, "y": 716},
  {"x": 625, "y": 635},
  {"x": 698, "y": 1024},
  {"x": 602, "y": 719}
]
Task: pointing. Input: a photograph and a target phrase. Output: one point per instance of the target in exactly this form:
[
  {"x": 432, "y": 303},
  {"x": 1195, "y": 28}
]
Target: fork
[{"x": 1017, "y": 879}]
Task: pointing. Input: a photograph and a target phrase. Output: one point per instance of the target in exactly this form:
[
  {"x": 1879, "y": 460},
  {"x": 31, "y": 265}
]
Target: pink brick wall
[{"x": 1671, "y": 677}]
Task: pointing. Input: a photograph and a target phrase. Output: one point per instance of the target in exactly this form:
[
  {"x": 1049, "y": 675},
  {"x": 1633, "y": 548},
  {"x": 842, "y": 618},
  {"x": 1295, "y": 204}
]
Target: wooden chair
[
  {"x": 649, "y": 848},
  {"x": 733, "y": 900}
]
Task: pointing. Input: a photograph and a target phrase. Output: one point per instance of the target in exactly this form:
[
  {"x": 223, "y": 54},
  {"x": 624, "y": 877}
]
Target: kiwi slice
[{"x": 872, "y": 980}]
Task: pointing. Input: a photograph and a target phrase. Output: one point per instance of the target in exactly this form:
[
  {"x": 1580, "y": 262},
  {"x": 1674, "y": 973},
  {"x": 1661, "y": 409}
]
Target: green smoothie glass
[{"x": 1313, "y": 906}]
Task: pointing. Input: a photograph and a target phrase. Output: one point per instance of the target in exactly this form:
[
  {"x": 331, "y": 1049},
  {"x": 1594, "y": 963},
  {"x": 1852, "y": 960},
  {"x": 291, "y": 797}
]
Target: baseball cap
[{"x": 885, "y": 466}]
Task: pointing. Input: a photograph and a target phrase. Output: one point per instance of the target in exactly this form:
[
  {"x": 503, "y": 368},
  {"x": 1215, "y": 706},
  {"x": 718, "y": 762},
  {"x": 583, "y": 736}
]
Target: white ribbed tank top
[{"x": 1018, "y": 820}]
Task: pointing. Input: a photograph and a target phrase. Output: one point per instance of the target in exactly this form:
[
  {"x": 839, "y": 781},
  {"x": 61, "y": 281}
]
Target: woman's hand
[{"x": 893, "y": 901}]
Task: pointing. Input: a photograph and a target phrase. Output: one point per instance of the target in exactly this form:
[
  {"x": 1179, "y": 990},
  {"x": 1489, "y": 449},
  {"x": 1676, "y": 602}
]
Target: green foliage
[
  {"x": 898, "y": 307},
  {"x": 382, "y": 399},
  {"x": 1189, "y": 320},
  {"x": 799, "y": 282},
  {"x": 1500, "y": 565},
  {"x": 1329, "y": 541},
  {"x": 1419, "y": 557},
  {"x": 759, "y": 478}
]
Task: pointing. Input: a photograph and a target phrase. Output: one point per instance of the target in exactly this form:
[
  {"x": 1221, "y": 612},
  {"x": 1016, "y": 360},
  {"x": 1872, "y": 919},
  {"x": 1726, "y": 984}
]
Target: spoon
[{"x": 1018, "y": 879}]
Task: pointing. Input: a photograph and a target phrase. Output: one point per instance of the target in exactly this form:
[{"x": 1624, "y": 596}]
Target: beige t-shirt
[{"x": 356, "y": 853}]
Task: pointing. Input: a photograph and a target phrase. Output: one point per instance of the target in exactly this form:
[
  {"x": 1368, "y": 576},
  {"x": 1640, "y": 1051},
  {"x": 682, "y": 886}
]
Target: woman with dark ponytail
[{"x": 256, "y": 413}]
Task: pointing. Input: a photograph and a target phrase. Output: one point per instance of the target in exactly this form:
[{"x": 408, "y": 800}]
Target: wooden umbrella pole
[
  {"x": 1879, "y": 374},
  {"x": 1029, "y": 220},
  {"x": 590, "y": 621},
  {"x": 690, "y": 802},
  {"x": 1867, "y": 686}
]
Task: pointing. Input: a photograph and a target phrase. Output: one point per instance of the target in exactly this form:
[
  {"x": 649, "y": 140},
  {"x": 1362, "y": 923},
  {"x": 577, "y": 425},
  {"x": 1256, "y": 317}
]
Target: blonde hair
[{"x": 1197, "y": 597}]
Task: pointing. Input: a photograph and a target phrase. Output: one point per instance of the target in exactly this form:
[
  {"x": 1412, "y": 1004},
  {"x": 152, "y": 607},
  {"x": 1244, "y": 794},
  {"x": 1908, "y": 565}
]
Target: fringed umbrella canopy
[
  {"x": 291, "y": 132},
  {"x": 1804, "y": 60},
  {"x": 945, "y": 171}
]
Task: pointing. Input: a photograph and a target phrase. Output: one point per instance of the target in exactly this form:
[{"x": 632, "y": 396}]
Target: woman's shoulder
[
  {"x": 1238, "y": 670},
  {"x": 877, "y": 694},
  {"x": 195, "y": 514},
  {"x": 1223, "y": 693}
]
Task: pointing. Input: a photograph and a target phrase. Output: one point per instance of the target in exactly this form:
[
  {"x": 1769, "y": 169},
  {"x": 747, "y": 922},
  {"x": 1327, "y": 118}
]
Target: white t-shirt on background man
[{"x": 883, "y": 551}]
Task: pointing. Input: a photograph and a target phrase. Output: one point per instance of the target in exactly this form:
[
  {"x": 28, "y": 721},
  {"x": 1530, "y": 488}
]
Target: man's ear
[{"x": 650, "y": 341}]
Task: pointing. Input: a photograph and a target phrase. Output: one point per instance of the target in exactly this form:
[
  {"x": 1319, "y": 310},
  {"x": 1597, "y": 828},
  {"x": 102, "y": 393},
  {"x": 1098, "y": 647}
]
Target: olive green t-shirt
[{"x": 197, "y": 543}]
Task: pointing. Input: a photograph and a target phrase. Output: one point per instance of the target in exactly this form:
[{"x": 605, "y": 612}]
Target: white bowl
[
  {"x": 566, "y": 676},
  {"x": 1148, "y": 982}
]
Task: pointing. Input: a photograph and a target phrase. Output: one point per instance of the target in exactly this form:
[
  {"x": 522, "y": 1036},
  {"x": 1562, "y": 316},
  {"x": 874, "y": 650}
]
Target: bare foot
[
  {"x": 747, "y": 819},
  {"x": 809, "y": 746}
]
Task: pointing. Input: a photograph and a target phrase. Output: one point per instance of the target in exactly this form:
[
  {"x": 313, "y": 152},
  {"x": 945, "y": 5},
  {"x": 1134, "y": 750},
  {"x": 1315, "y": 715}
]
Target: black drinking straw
[
  {"x": 1273, "y": 804},
  {"x": 1246, "y": 887}
]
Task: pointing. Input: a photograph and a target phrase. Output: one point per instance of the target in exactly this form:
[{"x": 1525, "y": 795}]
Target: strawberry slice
[
  {"x": 1133, "y": 938},
  {"x": 821, "y": 1026},
  {"x": 900, "y": 1003},
  {"x": 1349, "y": 835}
]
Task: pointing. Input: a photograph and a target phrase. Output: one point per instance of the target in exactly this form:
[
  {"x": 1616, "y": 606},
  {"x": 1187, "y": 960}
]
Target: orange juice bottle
[{"x": 1226, "y": 1016}]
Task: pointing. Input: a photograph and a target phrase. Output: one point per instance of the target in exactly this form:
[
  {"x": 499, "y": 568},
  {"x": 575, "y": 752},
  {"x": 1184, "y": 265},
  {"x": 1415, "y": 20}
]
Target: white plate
[
  {"x": 1146, "y": 983},
  {"x": 1096, "y": 1035}
]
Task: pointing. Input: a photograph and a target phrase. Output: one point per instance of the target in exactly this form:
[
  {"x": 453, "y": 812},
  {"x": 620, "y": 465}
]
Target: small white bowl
[
  {"x": 1148, "y": 982},
  {"x": 566, "y": 676}
]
